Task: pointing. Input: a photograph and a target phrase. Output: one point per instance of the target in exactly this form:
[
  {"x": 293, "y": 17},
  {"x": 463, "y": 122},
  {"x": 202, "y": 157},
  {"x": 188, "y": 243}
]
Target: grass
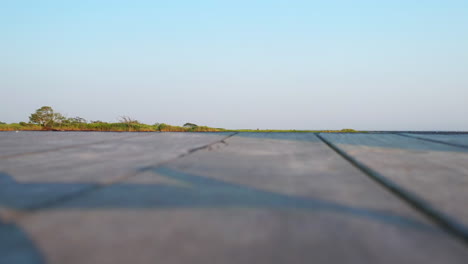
[
  {"x": 347, "y": 130},
  {"x": 138, "y": 127},
  {"x": 16, "y": 126}
]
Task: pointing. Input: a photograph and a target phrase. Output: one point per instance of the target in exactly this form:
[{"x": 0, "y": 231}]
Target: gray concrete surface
[
  {"x": 434, "y": 171},
  {"x": 224, "y": 198},
  {"x": 453, "y": 139}
]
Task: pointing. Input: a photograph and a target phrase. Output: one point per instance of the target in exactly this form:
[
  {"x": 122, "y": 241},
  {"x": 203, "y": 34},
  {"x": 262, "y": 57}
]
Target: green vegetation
[
  {"x": 190, "y": 125},
  {"x": 45, "y": 118},
  {"x": 346, "y": 130}
]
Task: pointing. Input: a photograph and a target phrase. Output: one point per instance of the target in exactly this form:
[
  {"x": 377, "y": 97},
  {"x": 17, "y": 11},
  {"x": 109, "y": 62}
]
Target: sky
[{"x": 361, "y": 64}]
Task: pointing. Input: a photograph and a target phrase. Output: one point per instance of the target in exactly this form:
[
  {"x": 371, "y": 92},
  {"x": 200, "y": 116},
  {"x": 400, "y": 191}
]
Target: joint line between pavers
[
  {"x": 65, "y": 198},
  {"x": 433, "y": 141},
  {"x": 444, "y": 221}
]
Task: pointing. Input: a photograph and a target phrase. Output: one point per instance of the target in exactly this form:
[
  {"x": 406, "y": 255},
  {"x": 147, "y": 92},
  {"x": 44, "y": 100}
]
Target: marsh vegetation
[{"x": 45, "y": 118}]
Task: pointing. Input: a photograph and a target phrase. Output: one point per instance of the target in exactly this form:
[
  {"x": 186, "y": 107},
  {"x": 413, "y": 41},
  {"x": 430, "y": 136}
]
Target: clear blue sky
[{"x": 363, "y": 64}]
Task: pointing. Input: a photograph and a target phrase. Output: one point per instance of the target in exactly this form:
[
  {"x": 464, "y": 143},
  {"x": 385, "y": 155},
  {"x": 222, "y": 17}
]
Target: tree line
[{"x": 46, "y": 118}]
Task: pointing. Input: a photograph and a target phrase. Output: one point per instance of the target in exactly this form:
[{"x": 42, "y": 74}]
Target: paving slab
[
  {"x": 24, "y": 142},
  {"x": 255, "y": 198},
  {"x": 29, "y": 181},
  {"x": 438, "y": 173},
  {"x": 454, "y": 139}
]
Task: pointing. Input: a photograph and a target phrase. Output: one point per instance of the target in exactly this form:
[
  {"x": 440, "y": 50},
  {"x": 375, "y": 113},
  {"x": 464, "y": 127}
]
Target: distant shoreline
[
  {"x": 246, "y": 131},
  {"x": 185, "y": 130}
]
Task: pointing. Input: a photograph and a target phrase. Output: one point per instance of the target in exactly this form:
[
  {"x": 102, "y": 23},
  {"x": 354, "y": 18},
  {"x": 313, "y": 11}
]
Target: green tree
[
  {"x": 190, "y": 125},
  {"x": 46, "y": 117},
  {"x": 76, "y": 120}
]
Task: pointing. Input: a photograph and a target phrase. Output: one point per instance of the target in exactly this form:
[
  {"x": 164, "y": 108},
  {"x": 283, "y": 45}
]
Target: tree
[
  {"x": 190, "y": 125},
  {"x": 76, "y": 120},
  {"x": 46, "y": 117},
  {"x": 2, "y": 123}
]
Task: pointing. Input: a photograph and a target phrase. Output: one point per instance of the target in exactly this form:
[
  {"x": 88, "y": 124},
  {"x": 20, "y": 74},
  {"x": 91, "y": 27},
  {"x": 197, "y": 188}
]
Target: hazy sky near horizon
[{"x": 363, "y": 64}]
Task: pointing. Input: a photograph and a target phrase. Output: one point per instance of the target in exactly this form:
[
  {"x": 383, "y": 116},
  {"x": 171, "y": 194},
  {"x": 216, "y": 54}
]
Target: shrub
[{"x": 348, "y": 130}]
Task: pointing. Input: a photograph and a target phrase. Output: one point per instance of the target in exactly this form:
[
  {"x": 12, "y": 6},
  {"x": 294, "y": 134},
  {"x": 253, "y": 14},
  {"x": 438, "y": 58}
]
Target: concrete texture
[
  {"x": 224, "y": 198},
  {"x": 436, "y": 172}
]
